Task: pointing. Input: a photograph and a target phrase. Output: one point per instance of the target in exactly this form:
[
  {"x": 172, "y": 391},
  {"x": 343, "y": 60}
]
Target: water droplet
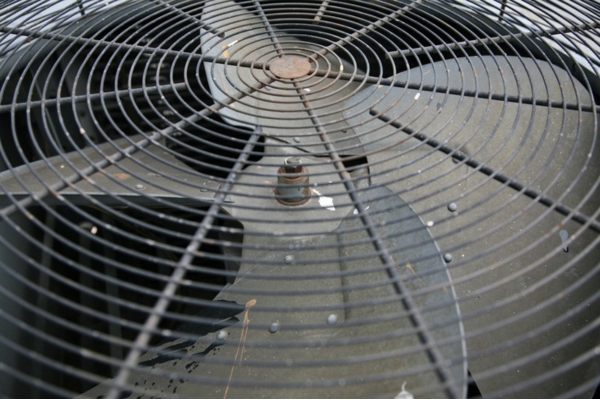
[
  {"x": 274, "y": 327},
  {"x": 564, "y": 237}
]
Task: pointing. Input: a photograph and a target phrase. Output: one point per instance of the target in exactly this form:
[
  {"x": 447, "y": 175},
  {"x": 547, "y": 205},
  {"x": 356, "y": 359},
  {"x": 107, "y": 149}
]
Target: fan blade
[
  {"x": 168, "y": 180},
  {"x": 492, "y": 222},
  {"x": 314, "y": 322}
]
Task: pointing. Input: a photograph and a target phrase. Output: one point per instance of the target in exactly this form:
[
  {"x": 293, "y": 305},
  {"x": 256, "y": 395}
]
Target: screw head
[
  {"x": 274, "y": 327},
  {"x": 452, "y": 207},
  {"x": 288, "y": 259},
  {"x": 332, "y": 319},
  {"x": 447, "y": 257}
]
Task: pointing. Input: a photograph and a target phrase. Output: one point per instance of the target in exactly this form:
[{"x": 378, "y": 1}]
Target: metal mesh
[{"x": 256, "y": 198}]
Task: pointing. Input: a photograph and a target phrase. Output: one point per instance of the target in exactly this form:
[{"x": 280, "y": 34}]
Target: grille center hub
[{"x": 290, "y": 67}]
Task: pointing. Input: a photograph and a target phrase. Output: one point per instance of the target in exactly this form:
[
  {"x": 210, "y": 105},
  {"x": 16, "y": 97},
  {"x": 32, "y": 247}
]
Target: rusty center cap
[{"x": 290, "y": 67}]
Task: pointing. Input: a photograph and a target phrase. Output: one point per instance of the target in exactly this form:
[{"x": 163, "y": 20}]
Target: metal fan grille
[{"x": 244, "y": 198}]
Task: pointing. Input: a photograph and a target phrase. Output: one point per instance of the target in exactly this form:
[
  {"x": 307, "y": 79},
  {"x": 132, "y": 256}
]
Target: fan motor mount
[{"x": 292, "y": 183}]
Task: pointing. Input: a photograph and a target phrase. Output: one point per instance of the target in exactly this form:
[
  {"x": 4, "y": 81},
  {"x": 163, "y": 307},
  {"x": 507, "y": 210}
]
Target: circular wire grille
[{"x": 243, "y": 198}]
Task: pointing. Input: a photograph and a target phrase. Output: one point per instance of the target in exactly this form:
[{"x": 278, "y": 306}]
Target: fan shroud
[{"x": 140, "y": 219}]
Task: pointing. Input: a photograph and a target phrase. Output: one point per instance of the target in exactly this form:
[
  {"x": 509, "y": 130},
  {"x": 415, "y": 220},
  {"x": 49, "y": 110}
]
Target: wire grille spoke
[
  {"x": 459, "y": 157},
  {"x": 143, "y": 338},
  {"x": 149, "y": 90},
  {"x": 370, "y": 27},
  {"x": 434, "y": 355},
  {"x": 318, "y": 72},
  {"x": 113, "y": 158},
  {"x": 400, "y": 83},
  {"x": 187, "y": 16},
  {"x": 494, "y": 40}
]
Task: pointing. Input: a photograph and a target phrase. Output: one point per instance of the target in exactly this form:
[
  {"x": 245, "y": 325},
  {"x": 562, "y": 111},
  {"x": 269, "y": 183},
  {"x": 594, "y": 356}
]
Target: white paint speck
[
  {"x": 356, "y": 211},
  {"x": 430, "y": 223},
  {"x": 417, "y": 96},
  {"x": 232, "y": 43},
  {"x": 324, "y": 201},
  {"x": 404, "y": 394}
]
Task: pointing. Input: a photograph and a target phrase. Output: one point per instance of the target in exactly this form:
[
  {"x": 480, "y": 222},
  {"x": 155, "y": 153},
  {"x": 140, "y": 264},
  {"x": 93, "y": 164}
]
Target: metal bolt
[
  {"x": 274, "y": 327},
  {"x": 292, "y": 165},
  {"x": 332, "y": 319},
  {"x": 296, "y": 139},
  {"x": 289, "y": 259},
  {"x": 447, "y": 257},
  {"x": 221, "y": 335},
  {"x": 452, "y": 207},
  {"x": 292, "y": 183},
  {"x": 139, "y": 186}
]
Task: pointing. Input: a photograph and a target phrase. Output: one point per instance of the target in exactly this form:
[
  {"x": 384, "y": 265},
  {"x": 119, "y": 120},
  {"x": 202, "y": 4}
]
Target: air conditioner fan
[{"x": 257, "y": 198}]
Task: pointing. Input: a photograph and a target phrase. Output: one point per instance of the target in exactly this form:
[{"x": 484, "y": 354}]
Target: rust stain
[
  {"x": 121, "y": 176},
  {"x": 414, "y": 273},
  {"x": 241, "y": 349}
]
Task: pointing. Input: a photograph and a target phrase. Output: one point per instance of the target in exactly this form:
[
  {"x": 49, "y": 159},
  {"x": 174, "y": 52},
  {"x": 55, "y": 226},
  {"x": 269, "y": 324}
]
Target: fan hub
[{"x": 290, "y": 67}]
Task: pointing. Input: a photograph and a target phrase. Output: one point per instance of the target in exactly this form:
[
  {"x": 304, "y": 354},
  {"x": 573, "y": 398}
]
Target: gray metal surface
[
  {"x": 146, "y": 179},
  {"x": 508, "y": 262},
  {"x": 368, "y": 346}
]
